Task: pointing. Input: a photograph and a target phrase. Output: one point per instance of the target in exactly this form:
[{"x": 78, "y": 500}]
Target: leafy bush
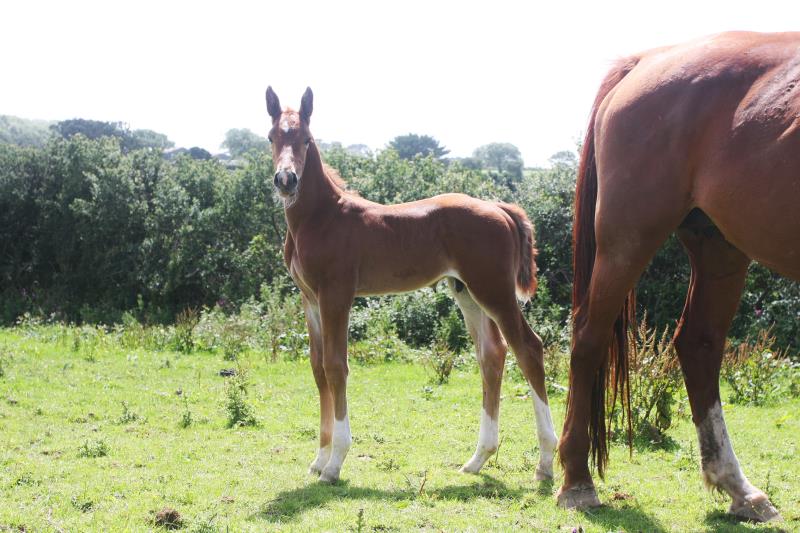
[
  {"x": 416, "y": 315},
  {"x": 184, "y": 328},
  {"x": 186, "y": 419},
  {"x": 379, "y": 342},
  {"x": 440, "y": 361},
  {"x": 758, "y": 373},
  {"x": 239, "y": 411},
  {"x": 93, "y": 449},
  {"x": 655, "y": 378},
  {"x": 283, "y": 324},
  {"x": 127, "y": 415}
]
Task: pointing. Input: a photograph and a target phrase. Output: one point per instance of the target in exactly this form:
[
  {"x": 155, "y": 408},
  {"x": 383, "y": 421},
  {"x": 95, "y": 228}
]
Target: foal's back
[{"x": 406, "y": 246}]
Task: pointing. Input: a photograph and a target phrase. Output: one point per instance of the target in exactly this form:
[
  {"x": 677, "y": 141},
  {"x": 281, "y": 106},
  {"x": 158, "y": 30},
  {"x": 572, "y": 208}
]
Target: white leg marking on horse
[
  {"x": 547, "y": 438},
  {"x": 488, "y": 440},
  {"x": 721, "y": 469},
  {"x": 323, "y": 456},
  {"x": 341, "y": 444}
]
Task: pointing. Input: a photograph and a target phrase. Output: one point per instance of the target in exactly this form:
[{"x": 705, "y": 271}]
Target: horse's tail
[
  {"x": 614, "y": 370},
  {"x": 526, "y": 268}
]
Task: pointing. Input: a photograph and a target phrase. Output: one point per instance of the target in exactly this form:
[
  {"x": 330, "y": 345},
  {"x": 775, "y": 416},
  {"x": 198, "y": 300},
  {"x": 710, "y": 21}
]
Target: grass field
[{"x": 92, "y": 438}]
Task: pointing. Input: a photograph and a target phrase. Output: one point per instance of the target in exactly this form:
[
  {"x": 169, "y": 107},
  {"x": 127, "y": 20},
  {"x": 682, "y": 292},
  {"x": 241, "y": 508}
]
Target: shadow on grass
[
  {"x": 288, "y": 504},
  {"x": 626, "y": 518},
  {"x": 719, "y": 520}
]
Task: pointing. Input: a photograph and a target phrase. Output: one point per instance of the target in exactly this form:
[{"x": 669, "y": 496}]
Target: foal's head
[{"x": 289, "y": 137}]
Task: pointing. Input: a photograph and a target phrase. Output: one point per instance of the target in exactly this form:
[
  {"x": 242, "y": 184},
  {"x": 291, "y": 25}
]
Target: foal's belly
[{"x": 399, "y": 280}]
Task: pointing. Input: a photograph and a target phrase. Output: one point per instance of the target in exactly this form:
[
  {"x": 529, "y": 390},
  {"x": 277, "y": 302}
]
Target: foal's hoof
[
  {"x": 314, "y": 469},
  {"x": 580, "y": 496},
  {"x": 755, "y": 508},
  {"x": 470, "y": 468},
  {"x": 329, "y": 475},
  {"x": 543, "y": 473}
]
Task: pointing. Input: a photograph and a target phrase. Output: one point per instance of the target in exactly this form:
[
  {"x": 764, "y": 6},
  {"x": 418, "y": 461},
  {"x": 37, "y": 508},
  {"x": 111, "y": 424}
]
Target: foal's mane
[
  {"x": 335, "y": 178},
  {"x": 333, "y": 175}
]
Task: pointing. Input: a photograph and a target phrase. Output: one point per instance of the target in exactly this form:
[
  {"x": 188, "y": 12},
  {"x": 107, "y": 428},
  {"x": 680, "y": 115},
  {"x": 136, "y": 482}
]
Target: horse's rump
[{"x": 526, "y": 269}]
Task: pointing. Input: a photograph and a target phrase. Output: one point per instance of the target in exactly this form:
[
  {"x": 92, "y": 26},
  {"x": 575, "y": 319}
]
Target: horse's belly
[
  {"x": 400, "y": 278},
  {"x": 761, "y": 217}
]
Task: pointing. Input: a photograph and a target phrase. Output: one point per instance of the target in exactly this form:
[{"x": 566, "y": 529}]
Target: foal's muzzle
[{"x": 286, "y": 181}]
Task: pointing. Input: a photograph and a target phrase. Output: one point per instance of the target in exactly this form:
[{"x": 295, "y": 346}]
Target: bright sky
[{"x": 467, "y": 73}]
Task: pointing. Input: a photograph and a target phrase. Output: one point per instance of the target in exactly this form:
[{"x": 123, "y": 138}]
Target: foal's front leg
[
  {"x": 325, "y": 398},
  {"x": 334, "y": 311}
]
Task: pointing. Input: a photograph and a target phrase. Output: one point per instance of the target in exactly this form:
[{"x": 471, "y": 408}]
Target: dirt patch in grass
[{"x": 168, "y": 518}]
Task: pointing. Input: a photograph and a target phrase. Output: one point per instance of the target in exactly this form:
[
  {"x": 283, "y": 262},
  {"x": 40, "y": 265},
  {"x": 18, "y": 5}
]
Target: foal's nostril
[{"x": 286, "y": 180}]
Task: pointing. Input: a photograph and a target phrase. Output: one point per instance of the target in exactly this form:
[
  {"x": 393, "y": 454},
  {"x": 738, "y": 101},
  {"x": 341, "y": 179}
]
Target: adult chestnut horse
[
  {"x": 340, "y": 246},
  {"x": 701, "y": 139}
]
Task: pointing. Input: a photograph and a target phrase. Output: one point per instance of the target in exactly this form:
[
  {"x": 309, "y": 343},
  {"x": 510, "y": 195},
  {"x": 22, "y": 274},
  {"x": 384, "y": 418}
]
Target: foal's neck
[{"x": 317, "y": 191}]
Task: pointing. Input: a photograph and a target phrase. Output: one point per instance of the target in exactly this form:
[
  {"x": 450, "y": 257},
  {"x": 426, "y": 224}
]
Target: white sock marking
[
  {"x": 547, "y": 437},
  {"x": 488, "y": 440},
  {"x": 340, "y": 443},
  {"x": 323, "y": 455},
  {"x": 720, "y": 467}
]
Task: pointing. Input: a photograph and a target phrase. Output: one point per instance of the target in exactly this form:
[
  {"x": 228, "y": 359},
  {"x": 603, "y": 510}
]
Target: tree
[
  {"x": 241, "y": 141},
  {"x": 151, "y": 139},
  {"x": 23, "y": 132},
  {"x": 504, "y": 162},
  {"x": 97, "y": 129},
  {"x": 565, "y": 158},
  {"x": 91, "y": 129},
  {"x": 408, "y": 146},
  {"x": 195, "y": 152}
]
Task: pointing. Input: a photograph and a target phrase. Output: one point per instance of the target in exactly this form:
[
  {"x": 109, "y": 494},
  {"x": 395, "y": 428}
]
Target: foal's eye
[
  {"x": 269, "y": 139},
  {"x": 308, "y": 141}
]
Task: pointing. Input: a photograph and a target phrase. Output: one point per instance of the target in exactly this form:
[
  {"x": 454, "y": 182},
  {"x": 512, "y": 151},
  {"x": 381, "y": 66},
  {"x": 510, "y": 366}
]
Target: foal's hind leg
[
  {"x": 490, "y": 350},
  {"x": 501, "y": 304},
  {"x": 718, "y": 273}
]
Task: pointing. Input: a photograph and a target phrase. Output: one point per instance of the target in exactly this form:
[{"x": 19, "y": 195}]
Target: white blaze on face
[
  {"x": 286, "y": 159},
  {"x": 488, "y": 440},
  {"x": 547, "y": 437},
  {"x": 285, "y": 125}
]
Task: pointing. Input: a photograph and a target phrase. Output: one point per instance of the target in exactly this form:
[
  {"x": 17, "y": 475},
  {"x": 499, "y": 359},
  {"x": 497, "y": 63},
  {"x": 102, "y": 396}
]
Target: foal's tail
[
  {"x": 614, "y": 369},
  {"x": 526, "y": 269}
]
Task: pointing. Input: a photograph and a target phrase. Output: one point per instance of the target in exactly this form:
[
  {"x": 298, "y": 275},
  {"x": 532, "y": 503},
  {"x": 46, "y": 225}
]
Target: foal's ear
[
  {"x": 273, "y": 104},
  {"x": 307, "y": 105}
]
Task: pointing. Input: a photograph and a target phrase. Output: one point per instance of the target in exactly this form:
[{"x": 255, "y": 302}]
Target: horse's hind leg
[
  {"x": 490, "y": 349},
  {"x": 501, "y": 304},
  {"x": 325, "y": 398},
  {"x": 718, "y": 273}
]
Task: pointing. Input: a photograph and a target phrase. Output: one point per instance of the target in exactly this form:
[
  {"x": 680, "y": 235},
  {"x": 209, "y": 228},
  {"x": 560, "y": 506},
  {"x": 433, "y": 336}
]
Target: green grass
[{"x": 73, "y": 457}]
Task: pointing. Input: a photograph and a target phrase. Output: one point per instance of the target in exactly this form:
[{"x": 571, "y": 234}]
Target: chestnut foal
[{"x": 340, "y": 246}]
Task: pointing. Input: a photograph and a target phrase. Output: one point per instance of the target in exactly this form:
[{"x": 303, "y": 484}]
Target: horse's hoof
[
  {"x": 755, "y": 508},
  {"x": 329, "y": 476},
  {"x": 543, "y": 473},
  {"x": 314, "y": 469},
  {"x": 581, "y": 496},
  {"x": 469, "y": 468}
]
